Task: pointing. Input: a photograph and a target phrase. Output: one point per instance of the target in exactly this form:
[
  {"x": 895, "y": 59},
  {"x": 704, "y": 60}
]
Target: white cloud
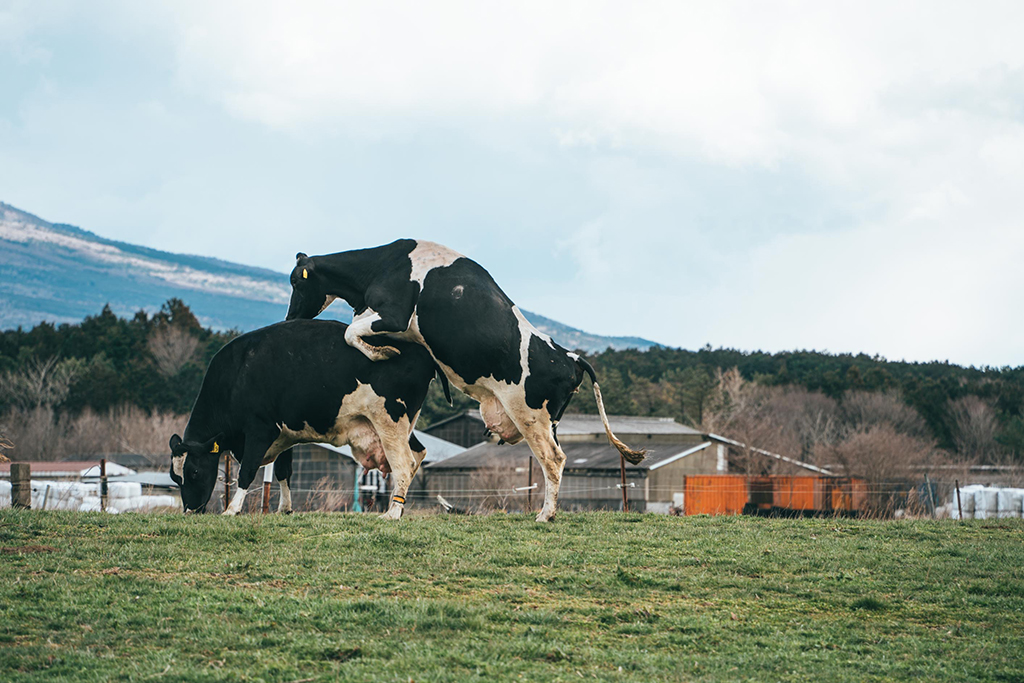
[{"x": 770, "y": 175}]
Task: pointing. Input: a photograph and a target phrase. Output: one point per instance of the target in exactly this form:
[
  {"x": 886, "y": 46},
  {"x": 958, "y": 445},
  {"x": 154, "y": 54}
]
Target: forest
[{"x": 112, "y": 385}]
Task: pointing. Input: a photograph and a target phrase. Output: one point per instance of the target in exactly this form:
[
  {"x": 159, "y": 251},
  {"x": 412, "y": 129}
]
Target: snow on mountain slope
[{"x": 60, "y": 273}]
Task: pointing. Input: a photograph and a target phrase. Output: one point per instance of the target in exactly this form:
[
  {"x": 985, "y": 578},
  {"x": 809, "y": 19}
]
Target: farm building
[
  {"x": 680, "y": 459},
  {"x": 324, "y": 477},
  {"x": 465, "y": 429}
]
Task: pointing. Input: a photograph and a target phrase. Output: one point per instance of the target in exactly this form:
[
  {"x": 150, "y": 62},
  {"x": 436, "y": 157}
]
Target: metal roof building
[{"x": 493, "y": 475}]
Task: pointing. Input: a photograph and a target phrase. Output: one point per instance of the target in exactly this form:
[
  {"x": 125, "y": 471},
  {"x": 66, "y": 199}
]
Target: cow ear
[
  {"x": 300, "y": 256},
  {"x": 175, "y": 442},
  {"x": 215, "y": 445}
]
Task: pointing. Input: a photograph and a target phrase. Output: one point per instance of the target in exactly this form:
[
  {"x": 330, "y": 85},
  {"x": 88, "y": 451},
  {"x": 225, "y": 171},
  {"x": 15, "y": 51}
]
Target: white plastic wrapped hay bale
[
  {"x": 1009, "y": 504},
  {"x": 967, "y": 498},
  {"x": 90, "y": 504},
  {"x": 5, "y": 493},
  {"x": 986, "y": 503},
  {"x": 157, "y": 502},
  {"x": 119, "y": 490},
  {"x": 132, "y": 504}
]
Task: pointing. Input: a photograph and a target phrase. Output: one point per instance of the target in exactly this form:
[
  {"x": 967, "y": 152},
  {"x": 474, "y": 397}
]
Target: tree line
[{"x": 154, "y": 364}]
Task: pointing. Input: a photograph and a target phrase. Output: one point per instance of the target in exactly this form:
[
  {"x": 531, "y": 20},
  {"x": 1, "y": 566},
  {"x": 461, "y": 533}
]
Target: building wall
[
  {"x": 580, "y": 490},
  {"x": 318, "y": 475},
  {"x": 666, "y": 483},
  {"x": 465, "y": 431}
]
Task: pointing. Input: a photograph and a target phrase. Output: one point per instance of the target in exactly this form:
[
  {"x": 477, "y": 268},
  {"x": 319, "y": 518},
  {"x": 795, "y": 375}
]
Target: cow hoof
[
  {"x": 285, "y": 512},
  {"x": 385, "y": 352},
  {"x": 229, "y": 513},
  {"x": 545, "y": 516}
]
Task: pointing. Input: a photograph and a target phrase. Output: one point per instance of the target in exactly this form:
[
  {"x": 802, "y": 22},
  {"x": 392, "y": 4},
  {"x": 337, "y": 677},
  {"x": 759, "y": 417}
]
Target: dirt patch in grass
[{"x": 25, "y": 549}]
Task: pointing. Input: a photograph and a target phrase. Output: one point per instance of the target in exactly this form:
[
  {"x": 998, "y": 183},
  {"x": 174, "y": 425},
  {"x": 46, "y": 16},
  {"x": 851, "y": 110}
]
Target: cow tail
[
  {"x": 444, "y": 385},
  {"x": 634, "y": 457}
]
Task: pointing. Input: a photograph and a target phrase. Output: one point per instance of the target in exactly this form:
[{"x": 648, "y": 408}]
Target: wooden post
[
  {"x": 268, "y": 476},
  {"x": 959, "y": 507},
  {"x": 103, "y": 484},
  {"x": 622, "y": 473},
  {"x": 21, "y": 485},
  {"x": 529, "y": 484},
  {"x": 227, "y": 479},
  {"x": 931, "y": 498},
  {"x": 46, "y": 496}
]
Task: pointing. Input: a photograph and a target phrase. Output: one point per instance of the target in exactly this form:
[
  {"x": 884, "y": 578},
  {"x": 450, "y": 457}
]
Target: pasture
[{"x": 612, "y": 597}]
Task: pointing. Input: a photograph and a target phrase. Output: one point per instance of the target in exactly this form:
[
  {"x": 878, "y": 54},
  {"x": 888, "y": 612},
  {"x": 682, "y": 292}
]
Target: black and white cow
[
  {"x": 426, "y": 293},
  {"x": 300, "y": 382}
]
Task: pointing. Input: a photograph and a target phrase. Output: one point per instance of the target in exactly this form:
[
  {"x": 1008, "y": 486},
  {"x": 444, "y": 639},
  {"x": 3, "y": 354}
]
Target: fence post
[
  {"x": 529, "y": 484},
  {"x": 268, "y": 476},
  {"x": 21, "y": 485},
  {"x": 931, "y": 498},
  {"x": 103, "y": 484},
  {"x": 622, "y": 474},
  {"x": 959, "y": 507},
  {"x": 227, "y": 479}
]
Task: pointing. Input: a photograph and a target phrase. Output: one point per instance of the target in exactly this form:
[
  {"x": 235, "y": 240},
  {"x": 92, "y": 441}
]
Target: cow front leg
[
  {"x": 362, "y": 327},
  {"x": 256, "y": 447}
]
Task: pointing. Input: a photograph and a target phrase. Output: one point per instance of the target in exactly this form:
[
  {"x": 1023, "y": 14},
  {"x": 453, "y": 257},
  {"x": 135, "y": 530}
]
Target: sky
[{"x": 845, "y": 177}]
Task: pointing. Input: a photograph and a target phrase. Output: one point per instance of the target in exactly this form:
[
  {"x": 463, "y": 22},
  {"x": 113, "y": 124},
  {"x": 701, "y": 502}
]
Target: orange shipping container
[
  {"x": 714, "y": 494},
  {"x": 796, "y": 493}
]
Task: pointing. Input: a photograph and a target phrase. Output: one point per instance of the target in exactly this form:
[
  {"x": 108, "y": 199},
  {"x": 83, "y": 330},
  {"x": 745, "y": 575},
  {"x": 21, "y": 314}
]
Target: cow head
[
  {"x": 194, "y": 470},
  {"x": 309, "y": 295}
]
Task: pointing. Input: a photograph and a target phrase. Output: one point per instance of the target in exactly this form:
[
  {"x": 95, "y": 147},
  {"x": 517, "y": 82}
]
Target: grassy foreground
[{"x": 89, "y": 597}]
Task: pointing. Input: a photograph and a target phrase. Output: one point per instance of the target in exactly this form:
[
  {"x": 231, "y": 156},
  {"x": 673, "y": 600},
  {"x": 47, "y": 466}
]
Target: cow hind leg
[
  {"x": 403, "y": 461},
  {"x": 540, "y": 436},
  {"x": 283, "y": 473}
]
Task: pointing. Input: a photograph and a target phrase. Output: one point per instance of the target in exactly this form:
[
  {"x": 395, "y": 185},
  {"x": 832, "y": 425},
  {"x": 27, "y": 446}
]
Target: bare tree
[
  {"x": 975, "y": 430},
  {"x": 861, "y": 409},
  {"x": 40, "y": 383},
  {"x": 882, "y": 455},
  {"x": 42, "y": 434},
  {"x": 5, "y": 445},
  {"x": 172, "y": 348}
]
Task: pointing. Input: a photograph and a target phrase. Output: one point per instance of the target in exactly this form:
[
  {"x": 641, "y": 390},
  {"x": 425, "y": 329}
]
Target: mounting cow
[
  {"x": 300, "y": 382},
  {"x": 426, "y": 293}
]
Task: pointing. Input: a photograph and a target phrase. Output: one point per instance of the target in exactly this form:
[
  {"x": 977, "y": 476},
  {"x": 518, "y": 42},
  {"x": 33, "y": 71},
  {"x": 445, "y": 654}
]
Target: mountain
[{"x": 60, "y": 273}]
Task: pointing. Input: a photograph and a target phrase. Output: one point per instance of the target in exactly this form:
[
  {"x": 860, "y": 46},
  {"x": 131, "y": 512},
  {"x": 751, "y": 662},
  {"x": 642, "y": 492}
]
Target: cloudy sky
[{"x": 836, "y": 176}]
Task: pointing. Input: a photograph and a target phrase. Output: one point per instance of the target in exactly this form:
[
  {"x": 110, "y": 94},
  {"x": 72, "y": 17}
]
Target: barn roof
[
  {"x": 437, "y": 449},
  {"x": 578, "y": 423},
  {"x": 579, "y": 456}
]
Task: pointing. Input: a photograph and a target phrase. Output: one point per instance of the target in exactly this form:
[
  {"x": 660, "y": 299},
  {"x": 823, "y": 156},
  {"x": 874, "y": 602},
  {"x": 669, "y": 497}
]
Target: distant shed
[{"x": 489, "y": 473}]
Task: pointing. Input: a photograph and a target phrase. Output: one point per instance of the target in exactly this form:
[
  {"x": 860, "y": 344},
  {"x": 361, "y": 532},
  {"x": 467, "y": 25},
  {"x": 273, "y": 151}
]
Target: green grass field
[{"x": 90, "y": 597}]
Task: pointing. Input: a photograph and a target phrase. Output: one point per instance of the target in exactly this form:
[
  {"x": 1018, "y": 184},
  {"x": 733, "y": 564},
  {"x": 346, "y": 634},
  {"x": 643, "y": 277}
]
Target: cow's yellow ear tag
[
  {"x": 305, "y": 275},
  {"x": 216, "y": 448}
]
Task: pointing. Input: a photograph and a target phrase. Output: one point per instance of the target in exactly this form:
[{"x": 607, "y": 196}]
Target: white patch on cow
[
  {"x": 178, "y": 464},
  {"x": 285, "y": 504},
  {"x": 236, "y": 502},
  {"x": 361, "y": 327},
  {"x": 360, "y": 419},
  {"x": 574, "y": 356},
  {"x": 429, "y": 255},
  {"x": 457, "y": 291}
]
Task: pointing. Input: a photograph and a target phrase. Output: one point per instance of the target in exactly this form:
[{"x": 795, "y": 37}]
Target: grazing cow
[
  {"x": 426, "y": 293},
  {"x": 300, "y": 382}
]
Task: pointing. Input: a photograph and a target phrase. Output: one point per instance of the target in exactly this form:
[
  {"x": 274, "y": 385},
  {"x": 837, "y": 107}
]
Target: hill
[{"x": 61, "y": 274}]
